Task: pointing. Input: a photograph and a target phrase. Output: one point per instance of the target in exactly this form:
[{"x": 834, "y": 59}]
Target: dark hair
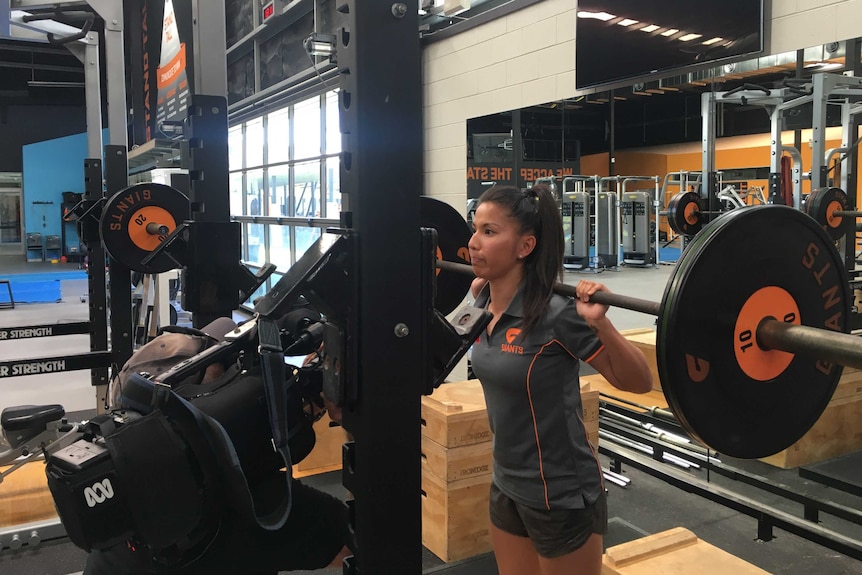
[{"x": 537, "y": 213}]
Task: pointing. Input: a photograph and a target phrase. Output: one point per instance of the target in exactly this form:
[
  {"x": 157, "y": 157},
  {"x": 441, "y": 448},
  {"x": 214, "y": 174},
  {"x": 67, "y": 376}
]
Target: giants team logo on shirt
[{"x": 511, "y": 334}]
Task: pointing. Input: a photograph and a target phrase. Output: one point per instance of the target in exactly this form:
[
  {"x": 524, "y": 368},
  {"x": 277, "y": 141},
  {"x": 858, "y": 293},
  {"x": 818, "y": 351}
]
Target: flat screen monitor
[{"x": 618, "y": 42}]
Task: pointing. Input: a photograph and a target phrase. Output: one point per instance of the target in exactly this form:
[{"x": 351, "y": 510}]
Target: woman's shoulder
[{"x": 561, "y": 304}]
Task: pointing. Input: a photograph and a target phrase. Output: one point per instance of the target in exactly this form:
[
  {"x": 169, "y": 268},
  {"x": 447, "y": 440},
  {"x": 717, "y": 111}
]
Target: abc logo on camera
[{"x": 99, "y": 492}]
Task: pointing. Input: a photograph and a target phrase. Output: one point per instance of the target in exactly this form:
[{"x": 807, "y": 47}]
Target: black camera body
[{"x": 132, "y": 477}]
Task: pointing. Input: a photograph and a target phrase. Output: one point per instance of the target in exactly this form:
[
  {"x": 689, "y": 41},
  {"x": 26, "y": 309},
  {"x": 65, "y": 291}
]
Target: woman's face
[{"x": 497, "y": 247}]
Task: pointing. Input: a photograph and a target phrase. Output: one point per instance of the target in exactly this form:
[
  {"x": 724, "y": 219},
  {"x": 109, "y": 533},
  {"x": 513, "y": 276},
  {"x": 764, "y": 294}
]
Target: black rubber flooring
[{"x": 648, "y": 505}]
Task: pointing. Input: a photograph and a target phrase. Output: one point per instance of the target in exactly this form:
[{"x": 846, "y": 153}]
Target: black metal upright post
[
  {"x": 96, "y": 284},
  {"x": 116, "y": 179},
  {"x": 381, "y": 177},
  {"x": 215, "y": 244}
]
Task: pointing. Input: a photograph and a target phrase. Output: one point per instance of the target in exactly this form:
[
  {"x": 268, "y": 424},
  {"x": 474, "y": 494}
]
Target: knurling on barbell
[
  {"x": 135, "y": 221},
  {"x": 751, "y": 334}
]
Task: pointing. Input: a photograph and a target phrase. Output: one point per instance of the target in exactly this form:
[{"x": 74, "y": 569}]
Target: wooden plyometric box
[
  {"x": 455, "y": 415},
  {"x": 654, "y": 398},
  {"x": 837, "y": 432},
  {"x": 24, "y": 496},
  {"x": 455, "y": 521},
  {"x": 590, "y": 406},
  {"x": 644, "y": 340},
  {"x": 677, "y": 551},
  {"x": 456, "y": 463},
  {"x": 326, "y": 455}
]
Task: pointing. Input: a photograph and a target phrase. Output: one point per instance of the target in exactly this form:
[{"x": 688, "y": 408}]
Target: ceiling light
[
  {"x": 627, "y": 22},
  {"x": 650, "y": 28},
  {"x": 603, "y": 16},
  {"x": 689, "y": 37},
  {"x": 712, "y": 41},
  {"x": 669, "y": 32}
]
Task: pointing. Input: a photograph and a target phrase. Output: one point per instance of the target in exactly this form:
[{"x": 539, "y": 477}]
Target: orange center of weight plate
[
  {"x": 691, "y": 213},
  {"x": 439, "y": 257},
  {"x": 756, "y": 362},
  {"x": 138, "y": 226},
  {"x": 832, "y": 220}
]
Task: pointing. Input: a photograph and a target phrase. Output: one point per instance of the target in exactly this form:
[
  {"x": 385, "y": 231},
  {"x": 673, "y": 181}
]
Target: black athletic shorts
[
  {"x": 314, "y": 533},
  {"x": 554, "y": 533}
]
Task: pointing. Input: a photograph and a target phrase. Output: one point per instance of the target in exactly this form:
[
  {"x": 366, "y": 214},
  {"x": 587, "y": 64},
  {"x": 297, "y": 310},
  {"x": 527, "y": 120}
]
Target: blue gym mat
[
  {"x": 31, "y": 291},
  {"x": 42, "y": 287},
  {"x": 665, "y": 254},
  {"x": 46, "y": 276}
]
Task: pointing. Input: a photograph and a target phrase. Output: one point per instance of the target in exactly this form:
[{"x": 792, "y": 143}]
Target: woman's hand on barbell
[{"x": 590, "y": 311}]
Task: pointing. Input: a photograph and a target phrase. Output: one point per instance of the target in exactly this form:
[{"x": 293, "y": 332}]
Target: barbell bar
[
  {"x": 771, "y": 334},
  {"x": 617, "y": 300},
  {"x": 751, "y": 331}
]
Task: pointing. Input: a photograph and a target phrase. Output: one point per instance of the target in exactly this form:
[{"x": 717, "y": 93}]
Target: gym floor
[{"x": 648, "y": 505}]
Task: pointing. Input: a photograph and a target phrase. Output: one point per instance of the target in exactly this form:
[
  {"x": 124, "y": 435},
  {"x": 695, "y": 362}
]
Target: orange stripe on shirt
[
  {"x": 535, "y": 425},
  {"x": 588, "y": 360},
  {"x": 598, "y": 351}
]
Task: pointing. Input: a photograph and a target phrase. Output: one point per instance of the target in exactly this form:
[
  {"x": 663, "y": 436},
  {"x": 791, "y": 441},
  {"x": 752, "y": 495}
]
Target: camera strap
[{"x": 277, "y": 389}]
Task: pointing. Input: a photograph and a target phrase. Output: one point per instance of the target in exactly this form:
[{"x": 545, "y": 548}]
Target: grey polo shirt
[{"x": 542, "y": 457}]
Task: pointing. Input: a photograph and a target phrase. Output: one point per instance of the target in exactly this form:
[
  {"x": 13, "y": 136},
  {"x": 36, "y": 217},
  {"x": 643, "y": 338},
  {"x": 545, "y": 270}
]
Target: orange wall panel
[{"x": 595, "y": 164}]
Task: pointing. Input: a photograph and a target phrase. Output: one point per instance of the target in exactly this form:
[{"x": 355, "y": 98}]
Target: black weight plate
[
  {"x": 683, "y": 213},
  {"x": 135, "y": 220},
  {"x": 453, "y": 235},
  {"x": 822, "y": 203},
  {"x": 734, "y": 397}
]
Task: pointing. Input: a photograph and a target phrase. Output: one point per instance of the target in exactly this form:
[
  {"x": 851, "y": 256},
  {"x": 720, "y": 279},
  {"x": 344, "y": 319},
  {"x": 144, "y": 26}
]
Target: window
[
  {"x": 278, "y": 137},
  {"x": 285, "y": 185},
  {"x": 306, "y": 190},
  {"x": 306, "y": 129},
  {"x": 234, "y": 147},
  {"x": 254, "y": 143}
]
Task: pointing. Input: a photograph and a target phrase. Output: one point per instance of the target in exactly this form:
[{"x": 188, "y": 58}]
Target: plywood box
[
  {"x": 589, "y": 401},
  {"x": 455, "y": 522},
  {"x": 677, "y": 551},
  {"x": 654, "y": 398},
  {"x": 837, "y": 432},
  {"x": 455, "y": 414},
  {"x": 590, "y": 406},
  {"x": 458, "y": 462},
  {"x": 326, "y": 455},
  {"x": 24, "y": 496},
  {"x": 644, "y": 340}
]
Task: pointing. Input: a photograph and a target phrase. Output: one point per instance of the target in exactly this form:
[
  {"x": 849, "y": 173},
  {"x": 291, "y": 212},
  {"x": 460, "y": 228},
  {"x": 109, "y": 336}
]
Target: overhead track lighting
[{"x": 603, "y": 16}]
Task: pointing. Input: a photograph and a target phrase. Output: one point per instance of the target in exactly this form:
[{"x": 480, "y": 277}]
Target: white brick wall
[{"x": 528, "y": 58}]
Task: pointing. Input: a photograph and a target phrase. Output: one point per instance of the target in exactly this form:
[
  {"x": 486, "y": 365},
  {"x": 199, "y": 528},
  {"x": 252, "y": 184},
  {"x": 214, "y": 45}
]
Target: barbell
[
  {"x": 751, "y": 331},
  {"x": 750, "y": 341}
]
